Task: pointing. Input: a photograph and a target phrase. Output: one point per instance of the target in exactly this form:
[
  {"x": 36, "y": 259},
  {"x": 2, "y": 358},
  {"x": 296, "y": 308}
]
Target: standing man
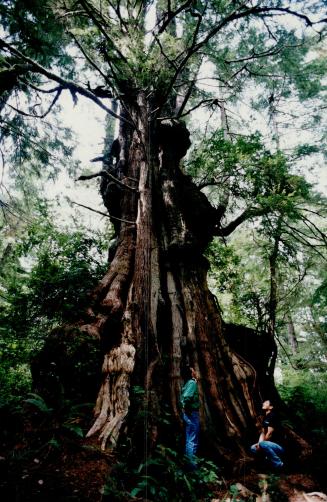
[
  {"x": 270, "y": 449},
  {"x": 190, "y": 407}
]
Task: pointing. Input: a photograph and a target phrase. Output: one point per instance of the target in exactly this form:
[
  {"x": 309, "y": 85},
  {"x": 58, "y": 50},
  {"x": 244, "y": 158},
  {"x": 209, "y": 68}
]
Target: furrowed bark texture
[{"x": 153, "y": 310}]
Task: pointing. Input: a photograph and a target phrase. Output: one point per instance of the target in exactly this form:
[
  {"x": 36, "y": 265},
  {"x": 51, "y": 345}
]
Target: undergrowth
[{"x": 163, "y": 476}]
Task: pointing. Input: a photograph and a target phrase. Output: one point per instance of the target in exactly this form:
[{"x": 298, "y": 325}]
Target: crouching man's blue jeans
[
  {"x": 192, "y": 429},
  {"x": 272, "y": 451}
]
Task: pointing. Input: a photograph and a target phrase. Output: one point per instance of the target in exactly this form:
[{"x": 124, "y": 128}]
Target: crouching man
[{"x": 266, "y": 443}]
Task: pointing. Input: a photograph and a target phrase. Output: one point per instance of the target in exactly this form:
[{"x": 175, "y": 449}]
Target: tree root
[{"x": 113, "y": 399}]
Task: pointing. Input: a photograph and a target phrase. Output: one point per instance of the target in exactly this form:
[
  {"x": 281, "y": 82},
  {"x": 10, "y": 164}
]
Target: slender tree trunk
[
  {"x": 292, "y": 340},
  {"x": 272, "y": 307}
]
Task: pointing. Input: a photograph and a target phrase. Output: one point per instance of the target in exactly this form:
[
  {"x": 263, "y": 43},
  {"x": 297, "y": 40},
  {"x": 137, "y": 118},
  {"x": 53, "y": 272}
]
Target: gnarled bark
[{"x": 153, "y": 310}]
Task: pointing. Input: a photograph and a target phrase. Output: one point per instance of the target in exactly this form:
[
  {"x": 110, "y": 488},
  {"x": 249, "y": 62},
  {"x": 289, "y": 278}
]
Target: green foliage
[
  {"x": 45, "y": 280},
  {"x": 164, "y": 475},
  {"x": 42, "y": 35},
  {"x": 306, "y": 393},
  {"x": 319, "y": 298},
  {"x": 61, "y": 268},
  {"x": 239, "y": 277},
  {"x": 284, "y": 220},
  {"x": 15, "y": 377},
  {"x": 33, "y": 148},
  {"x": 39, "y": 403},
  {"x": 35, "y": 155},
  {"x": 35, "y": 437},
  {"x": 66, "y": 420},
  {"x": 245, "y": 170}
]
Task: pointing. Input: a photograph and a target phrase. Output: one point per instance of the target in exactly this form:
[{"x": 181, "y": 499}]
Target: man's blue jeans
[
  {"x": 192, "y": 429},
  {"x": 272, "y": 451}
]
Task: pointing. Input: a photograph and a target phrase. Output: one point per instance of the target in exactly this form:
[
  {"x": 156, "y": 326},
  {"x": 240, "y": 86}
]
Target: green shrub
[
  {"x": 164, "y": 475},
  {"x": 15, "y": 382},
  {"x": 305, "y": 392}
]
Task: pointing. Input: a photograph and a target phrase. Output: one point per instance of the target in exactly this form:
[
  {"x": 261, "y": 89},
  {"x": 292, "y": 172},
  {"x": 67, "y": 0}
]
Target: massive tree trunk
[{"x": 153, "y": 310}]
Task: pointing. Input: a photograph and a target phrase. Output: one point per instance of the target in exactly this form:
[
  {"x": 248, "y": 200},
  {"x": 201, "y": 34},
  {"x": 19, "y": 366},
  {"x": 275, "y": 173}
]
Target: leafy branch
[{"x": 65, "y": 84}]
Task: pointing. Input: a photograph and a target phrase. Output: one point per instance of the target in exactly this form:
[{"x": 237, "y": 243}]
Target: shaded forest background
[{"x": 257, "y": 163}]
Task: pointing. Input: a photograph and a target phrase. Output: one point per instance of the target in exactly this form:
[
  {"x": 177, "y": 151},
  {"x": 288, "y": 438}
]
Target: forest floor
[
  {"x": 79, "y": 472},
  {"x": 39, "y": 463},
  {"x": 267, "y": 487}
]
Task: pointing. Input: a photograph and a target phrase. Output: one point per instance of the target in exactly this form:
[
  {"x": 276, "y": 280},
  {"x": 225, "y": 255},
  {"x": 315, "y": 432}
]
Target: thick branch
[
  {"x": 234, "y": 16},
  {"x": 66, "y": 84},
  {"x": 38, "y": 89},
  {"x": 172, "y": 14},
  {"x": 104, "y": 214},
  {"x": 87, "y": 57},
  {"x": 34, "y": 115},
  {"x": 270, "y": 52},
  {"x": 90, "y": 11},
  {"x": 108, "y": 175},
  {"x": 201, "y": 103},
  {"x": 253, "y": 11},
  {"x": 246, "y": 215},
  {"x": 209, "y": 183}
]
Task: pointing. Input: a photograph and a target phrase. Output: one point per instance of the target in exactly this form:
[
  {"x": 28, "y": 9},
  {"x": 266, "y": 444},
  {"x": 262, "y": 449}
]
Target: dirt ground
[
  {"x": 74, "y": 474},
  {"x": 265, "y": 487}
]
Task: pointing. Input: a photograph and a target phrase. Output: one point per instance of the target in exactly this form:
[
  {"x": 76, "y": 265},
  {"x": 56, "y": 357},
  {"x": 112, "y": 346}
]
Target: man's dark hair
[{"x": 187, "y": 375}]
